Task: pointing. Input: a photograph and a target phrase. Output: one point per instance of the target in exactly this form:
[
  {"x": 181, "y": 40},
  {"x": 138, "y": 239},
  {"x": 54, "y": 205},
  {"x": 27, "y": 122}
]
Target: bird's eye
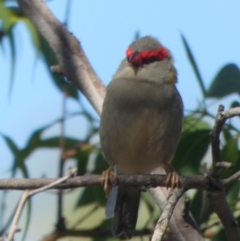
[
  {"x": 152, "y": 59},
  {"x": 135, "y": 58}
]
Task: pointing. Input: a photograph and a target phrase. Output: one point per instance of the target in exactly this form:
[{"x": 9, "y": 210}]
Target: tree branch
[
  {"x": 183, "y": 226},
  {"x": 215, "y": 141},
  {"x": 189, "y": 182},
  {"x": 231, "y": 179},
  {"x": 71, "y": 57},
  {"x": 219, "y": 201},
  {"x": 163, "y": 221},
  {"x": 27, "y": 194}
]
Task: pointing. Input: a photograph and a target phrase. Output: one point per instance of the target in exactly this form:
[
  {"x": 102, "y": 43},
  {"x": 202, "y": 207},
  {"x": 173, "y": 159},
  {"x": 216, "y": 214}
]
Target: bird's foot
[
  {"x": 173, "y": 179},
  {"x": 110, "y": 172}
]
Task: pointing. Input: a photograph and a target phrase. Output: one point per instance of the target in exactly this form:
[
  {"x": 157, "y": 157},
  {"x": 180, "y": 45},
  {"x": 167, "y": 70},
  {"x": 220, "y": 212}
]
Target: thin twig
[
  {"x": 27, "y": 194},
  {"x": 215, "y": 141},
  {"x": 70, "y": 174},
  {"x": 232, "y": 112},
  {"x": 14, "y": 226},
  {"x": 163, "y": 221},
  {"x": 231, "y": 179},
  {"x": 222, "y": 164}
]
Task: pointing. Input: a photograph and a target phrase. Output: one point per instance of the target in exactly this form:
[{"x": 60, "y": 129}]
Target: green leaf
[
  {"x": 8, "y": 20},
  {"x": 200, "y": 213},
  {"x": 194, "y": 65},
  {"x": 221, "y": 236},
  {"x": 226, "y": 82},
  {"x": 23, "y": 168},
  {"x": 92, "y": 195},
  {"x": 34, "y": 33},
  {"x": 59, "y": 81},
  {"x": 54, "y": 142},
  {"x": 229, "y": 151},
  {"x": 192, "y": 123},
  {"x": 152, "y": 207},
  {"x": 35, "y": 141},
  {"x": 6, "y": 17},
  {"x": 191, "y": 150},
  {"x": 82, "y": 160},
  {"x": 12, "y": 146},
  {"x": 19, "y": 157},
  {"x": 196, "y": 204},
  {"x": 235, "y": 104},
  {"x": 227, "y": 133},
  {"x": 233, "y": 194},
  {"x": 106, "y": 225},
  {"x": 13, "y": 58},
  {"x": 100, "y": 164}
]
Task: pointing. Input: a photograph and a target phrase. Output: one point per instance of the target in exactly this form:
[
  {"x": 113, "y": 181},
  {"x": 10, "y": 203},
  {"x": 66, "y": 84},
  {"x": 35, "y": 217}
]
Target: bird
[{"x": 140, "y": 126}]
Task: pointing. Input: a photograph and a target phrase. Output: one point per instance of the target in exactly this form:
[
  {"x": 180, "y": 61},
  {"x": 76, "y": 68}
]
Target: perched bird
[{"x": 140, "y": 125}]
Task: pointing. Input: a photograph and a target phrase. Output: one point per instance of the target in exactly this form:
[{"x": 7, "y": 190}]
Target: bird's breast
[{"x": 140, "y": 125}]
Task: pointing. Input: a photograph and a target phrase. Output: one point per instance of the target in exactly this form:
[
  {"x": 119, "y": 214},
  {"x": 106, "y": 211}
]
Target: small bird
[{"x": 141, "y": 124}]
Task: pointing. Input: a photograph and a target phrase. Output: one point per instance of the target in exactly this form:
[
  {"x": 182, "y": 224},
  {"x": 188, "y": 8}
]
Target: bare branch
[
  {"x": 183, "y": 227},
  {"x": 190, "y": 182},
  {"x": 67, "y": 48},
  {"x": 55, "y": 183},
  {"x": 230, "y": 113},
  {"x": 215, "y": 141},
  {"x": 163, "y": 221},
  {"x": 221, "y": 118},
  {"x": 222, "y": 164},
  {"x": 27, "y": 194},
  {"x": 219, "y": 201},
  {"x": 225, "y": 214},
  {"x": 231, "y": 179}
]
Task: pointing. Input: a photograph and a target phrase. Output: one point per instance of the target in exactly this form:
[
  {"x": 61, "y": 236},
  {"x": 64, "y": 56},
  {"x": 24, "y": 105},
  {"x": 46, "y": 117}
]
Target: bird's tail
[{"x": 123, "y": 202}]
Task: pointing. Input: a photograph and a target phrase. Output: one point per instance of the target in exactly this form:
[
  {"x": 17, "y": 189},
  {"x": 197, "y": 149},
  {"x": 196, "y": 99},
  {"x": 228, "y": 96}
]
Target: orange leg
[{"x": 105, "y": 182}]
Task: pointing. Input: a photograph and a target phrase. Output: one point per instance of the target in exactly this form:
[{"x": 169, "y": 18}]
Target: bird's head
[
  {"x": 145, "y": 51},
  {"x": 147, "y": 59}
]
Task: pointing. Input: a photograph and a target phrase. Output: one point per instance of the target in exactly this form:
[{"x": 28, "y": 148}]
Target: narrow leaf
[
  {"x": 226, "y": 82},
  {"x": 194, "y": 65},
  {"x": 59, "y": 81},
  {"x": 191, "y": 150},
  {"x": 13, "y": 60}
]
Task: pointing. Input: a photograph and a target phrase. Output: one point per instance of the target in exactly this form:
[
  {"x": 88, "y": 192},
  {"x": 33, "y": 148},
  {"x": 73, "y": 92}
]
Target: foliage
[{"x": 192, "y": 150}]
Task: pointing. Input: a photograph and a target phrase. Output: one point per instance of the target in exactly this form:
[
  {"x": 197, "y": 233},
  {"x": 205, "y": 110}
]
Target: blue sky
[{"x": 105, "y": 29}]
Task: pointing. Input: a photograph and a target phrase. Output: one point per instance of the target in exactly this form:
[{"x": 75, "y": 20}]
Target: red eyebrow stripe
[{"x": 146, "y": 57}]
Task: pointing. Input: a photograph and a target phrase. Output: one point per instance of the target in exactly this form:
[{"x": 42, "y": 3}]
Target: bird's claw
[{"x": 110, "y": 172}]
